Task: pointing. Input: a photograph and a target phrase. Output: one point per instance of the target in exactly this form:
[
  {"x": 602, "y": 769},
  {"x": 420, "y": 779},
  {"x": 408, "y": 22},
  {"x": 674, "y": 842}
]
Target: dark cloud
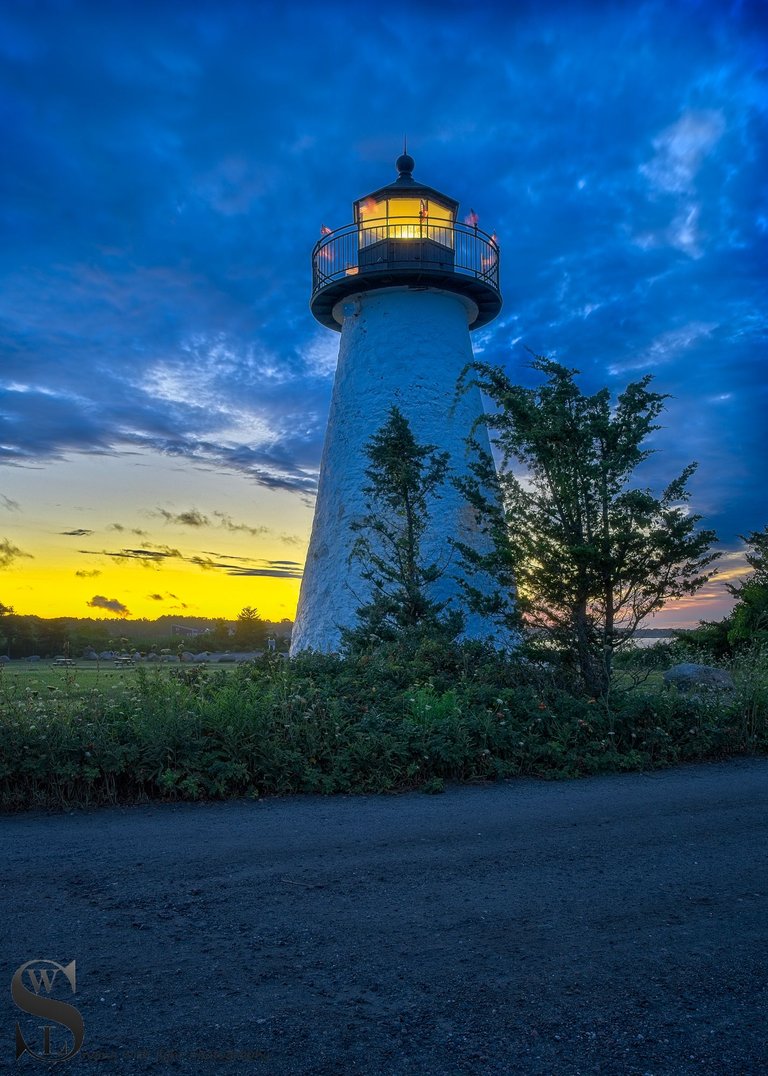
[
  {"x": 9, "y": 504},
  {"x": 174, "y": 597},
  {"x": 206, "y": 563},
  {"x": 193, "y": 517},
  {"x": 275, "y": 569},
  {"x": 10, "y": 553},
  {"x": 83, "y": 573},
  {"x": 112, "y": 605},
  {"x": 229, "y": 524},
  {"x": 129, "y": 530},
  {"x": 167, "y": 307},
  {"x": 275, "y": 572},
  {"x": 146, "y": 556},
  {"x": 226, "y": 556},
  {"x": 81, "y": 532}
]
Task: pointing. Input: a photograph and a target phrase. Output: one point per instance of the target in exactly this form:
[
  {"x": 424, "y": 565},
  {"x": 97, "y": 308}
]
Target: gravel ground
[{"x": 608, "y": 925}]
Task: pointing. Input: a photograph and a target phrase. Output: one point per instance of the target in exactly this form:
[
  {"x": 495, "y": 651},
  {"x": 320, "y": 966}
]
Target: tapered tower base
[{"x": 407, "y": 347}]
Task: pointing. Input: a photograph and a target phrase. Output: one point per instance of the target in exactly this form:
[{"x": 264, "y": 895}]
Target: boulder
[{"x": 690, "y": 678}]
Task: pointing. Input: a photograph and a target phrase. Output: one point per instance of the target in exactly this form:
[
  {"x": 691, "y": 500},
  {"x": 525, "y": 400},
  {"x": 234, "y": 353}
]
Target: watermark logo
[{"x": 32, "y": 989}]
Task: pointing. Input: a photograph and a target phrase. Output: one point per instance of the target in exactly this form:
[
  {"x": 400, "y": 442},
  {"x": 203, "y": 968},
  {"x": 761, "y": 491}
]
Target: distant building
[{"x": 189, "y": 633}]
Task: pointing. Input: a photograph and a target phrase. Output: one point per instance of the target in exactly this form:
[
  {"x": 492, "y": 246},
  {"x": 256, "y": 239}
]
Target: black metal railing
[{"x": 395, "y": 243}]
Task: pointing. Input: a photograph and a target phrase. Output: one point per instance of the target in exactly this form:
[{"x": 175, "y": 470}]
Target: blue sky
[{"x": 168, "y": 168}]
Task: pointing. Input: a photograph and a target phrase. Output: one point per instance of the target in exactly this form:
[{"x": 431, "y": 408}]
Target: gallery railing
[{"x": 395, "y": 243}]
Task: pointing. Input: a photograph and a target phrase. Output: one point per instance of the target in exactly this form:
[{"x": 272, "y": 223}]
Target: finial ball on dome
[{"x": 405, "y": 163}]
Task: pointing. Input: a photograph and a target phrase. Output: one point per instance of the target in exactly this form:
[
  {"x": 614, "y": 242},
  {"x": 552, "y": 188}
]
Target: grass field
[{"x": 89, "y": 673}]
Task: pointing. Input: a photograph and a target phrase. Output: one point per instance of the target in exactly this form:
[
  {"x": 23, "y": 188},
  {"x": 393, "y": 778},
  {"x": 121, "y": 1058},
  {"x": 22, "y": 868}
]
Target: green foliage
[
  {"x": 391, "y": 719},
  {"x": 24, "y": 635},
  {"x": 748, "y": 623},
  {"x": 709, "y": 641},
  {"x": 250, "y": 629},
  {"x": 590, "y": 557},
  {"x": 404, "y": 479},
  {"x": 746, "y": 627}
]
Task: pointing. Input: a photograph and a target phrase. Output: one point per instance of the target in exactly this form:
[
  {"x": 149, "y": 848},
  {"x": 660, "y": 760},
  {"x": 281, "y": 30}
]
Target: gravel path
[{"x": 608, "y": 925}]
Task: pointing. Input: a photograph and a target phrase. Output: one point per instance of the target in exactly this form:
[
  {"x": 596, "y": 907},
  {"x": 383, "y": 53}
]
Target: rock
[{"x": 689, "y": 677}]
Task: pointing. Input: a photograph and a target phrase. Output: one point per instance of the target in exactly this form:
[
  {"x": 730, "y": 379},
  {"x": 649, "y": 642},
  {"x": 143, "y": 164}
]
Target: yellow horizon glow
[
  {"x": 51, "y": 592},
  {"x": 137, "y": 503},
  {"x": 122, "y": 503}
]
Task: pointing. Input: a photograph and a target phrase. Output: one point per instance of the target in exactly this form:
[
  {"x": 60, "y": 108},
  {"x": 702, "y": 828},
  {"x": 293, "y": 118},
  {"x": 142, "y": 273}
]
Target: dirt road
[{"x": 610, "y": 925}]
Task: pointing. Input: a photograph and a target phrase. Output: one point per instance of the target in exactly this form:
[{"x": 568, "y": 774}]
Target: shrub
[{"x": 389, "y": 720}]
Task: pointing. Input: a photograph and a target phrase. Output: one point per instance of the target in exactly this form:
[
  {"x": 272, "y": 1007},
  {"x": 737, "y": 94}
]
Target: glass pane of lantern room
[
  {"x": 371, "y": 218},
  {"x": 407, "y": 218},
  {"x": 440, "y": 221}
]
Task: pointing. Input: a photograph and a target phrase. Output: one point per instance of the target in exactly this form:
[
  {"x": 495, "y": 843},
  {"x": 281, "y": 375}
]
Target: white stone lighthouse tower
[{"x": 404, "y": 284}]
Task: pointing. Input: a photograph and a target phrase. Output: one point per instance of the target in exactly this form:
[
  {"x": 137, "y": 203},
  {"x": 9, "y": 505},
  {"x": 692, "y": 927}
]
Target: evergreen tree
[
  {"x": 404, "y": 477},
  {"x": 250, "y": 629},
  {"x": 584, "y": 557},
  {"x": 6, "y": 615},
  {"x": 748, "y": 621}
]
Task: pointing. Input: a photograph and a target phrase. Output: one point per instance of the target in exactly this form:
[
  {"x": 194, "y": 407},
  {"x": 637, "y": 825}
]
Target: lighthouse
[{"x": 404, "y": 284}]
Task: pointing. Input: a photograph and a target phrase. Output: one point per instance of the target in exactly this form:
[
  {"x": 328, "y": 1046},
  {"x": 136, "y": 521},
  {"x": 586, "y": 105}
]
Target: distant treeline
[{"x": 24, "y": 636}]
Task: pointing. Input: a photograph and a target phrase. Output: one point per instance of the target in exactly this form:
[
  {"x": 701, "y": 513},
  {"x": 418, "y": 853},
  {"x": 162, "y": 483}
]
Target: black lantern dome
[{"x": 406, "y": 235}]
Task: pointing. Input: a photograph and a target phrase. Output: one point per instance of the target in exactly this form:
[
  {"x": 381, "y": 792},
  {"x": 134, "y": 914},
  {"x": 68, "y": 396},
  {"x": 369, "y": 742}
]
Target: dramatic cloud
[
  {"x": 81, "y": 532},
  {"x": 166, "y": 309},
  {"x": 10, "y": 553},
  {"x": 111, "y": 605},
  {"x": 84, "y": 573}
]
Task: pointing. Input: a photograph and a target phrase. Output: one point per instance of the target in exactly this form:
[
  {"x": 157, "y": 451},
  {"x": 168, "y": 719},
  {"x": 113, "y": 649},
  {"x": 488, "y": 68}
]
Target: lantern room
[
  {"x": 408, "y": 213},
  {"x": 406, "y": 235}
]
